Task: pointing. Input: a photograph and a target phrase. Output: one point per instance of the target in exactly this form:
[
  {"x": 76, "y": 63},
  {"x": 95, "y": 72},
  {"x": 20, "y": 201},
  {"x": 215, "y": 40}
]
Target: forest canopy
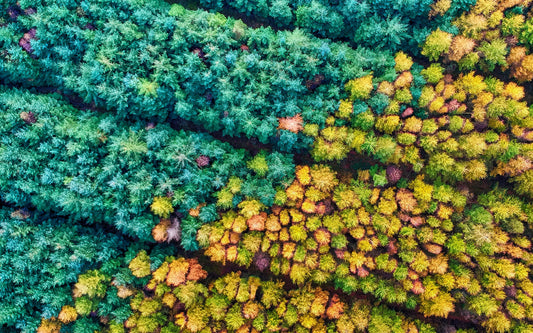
[{"x": 266, "y": 166}]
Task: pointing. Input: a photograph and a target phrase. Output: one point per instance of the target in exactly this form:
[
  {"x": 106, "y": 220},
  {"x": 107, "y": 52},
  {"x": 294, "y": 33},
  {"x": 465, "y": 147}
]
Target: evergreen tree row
[
  {"x": 154, "y": 61},
  {"x": 92, "y": 167},
  {"x": 41, "y": 256},
  {"x": 386, "y": 25}
]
